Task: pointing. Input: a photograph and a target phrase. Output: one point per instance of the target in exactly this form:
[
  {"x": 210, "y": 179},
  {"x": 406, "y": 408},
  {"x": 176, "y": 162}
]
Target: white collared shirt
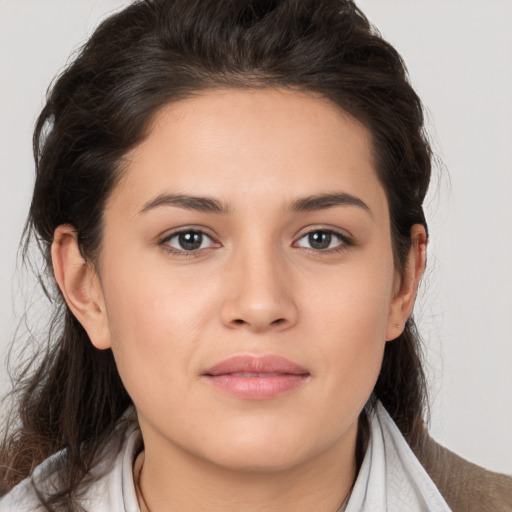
[{"x": 391, "y": 479}]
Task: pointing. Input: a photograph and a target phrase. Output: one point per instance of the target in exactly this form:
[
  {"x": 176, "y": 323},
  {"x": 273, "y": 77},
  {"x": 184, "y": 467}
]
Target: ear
[
  {"x": 80, "y": 285},
  {"x": 407, "y": 284}
]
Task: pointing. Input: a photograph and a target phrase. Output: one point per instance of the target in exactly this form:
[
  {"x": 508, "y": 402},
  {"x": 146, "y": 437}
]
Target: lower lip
[{"x": 257, "y": 387}]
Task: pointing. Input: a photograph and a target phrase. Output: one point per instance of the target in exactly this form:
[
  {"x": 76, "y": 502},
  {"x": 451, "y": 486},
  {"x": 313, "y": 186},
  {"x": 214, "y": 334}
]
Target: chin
[
  {"x": 260, "y": 453},
  {"x": 260, "y": 461}
]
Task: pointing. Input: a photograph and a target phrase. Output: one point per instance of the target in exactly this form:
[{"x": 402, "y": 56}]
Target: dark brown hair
[{"x": 152, "y": 53}]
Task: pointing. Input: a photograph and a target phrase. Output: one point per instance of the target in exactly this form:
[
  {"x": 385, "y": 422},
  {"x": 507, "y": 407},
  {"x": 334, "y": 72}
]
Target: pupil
[
  {"x": 191, "y": 240},
  {"x": 320, "y": 240}
]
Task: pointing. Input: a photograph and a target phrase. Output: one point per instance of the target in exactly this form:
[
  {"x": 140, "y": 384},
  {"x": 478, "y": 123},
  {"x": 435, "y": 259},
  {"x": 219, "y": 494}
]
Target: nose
[{"x": 259, "y": 293}]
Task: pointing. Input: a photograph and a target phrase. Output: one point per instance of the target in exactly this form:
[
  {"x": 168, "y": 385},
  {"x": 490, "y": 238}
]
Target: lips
[{"x": 256, "y": 377}]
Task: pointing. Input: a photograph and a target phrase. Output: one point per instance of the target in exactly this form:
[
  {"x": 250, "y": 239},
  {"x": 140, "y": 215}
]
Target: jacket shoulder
[{"x": 465, "y": 486}]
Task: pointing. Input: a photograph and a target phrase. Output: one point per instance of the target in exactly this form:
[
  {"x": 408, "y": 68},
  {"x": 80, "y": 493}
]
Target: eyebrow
[
  {"x": 325, "y": 201},
  {"x": 201, "y": 204},
  {"x": 210, "y": 205}
]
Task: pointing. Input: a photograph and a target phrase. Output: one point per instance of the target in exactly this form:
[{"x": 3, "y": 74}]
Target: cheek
[
  {"x": 148, "y": 298},
  {"x": 349, "y": 319},
  {"x": 354, "y": 301},
  {"x": 157, "y": 322}
]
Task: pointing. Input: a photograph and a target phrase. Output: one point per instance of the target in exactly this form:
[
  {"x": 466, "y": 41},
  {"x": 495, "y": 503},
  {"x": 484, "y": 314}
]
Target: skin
[{"x": 256, "y": 286}]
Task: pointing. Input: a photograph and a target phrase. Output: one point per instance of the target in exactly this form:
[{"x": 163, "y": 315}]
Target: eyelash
[
  {"x": 164, "y": 243},
  {"x": 344, "y": 242}
]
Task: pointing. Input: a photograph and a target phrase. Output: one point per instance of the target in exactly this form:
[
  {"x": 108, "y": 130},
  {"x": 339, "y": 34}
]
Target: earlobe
[
  {"x": 407, "y": 285},
  {"x": 80, "y": 286}
]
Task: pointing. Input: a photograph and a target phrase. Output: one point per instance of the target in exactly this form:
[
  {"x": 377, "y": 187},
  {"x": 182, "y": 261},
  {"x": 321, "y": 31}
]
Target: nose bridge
[{"x": 259, "y": 295}]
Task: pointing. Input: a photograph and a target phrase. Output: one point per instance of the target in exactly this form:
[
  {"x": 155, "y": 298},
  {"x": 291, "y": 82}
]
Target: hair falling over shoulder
[{"x": 70, "y": 396}]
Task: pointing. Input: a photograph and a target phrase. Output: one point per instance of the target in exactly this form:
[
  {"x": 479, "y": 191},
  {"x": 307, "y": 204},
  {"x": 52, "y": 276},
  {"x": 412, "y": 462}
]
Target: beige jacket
[{"x": 465, "y": 486}]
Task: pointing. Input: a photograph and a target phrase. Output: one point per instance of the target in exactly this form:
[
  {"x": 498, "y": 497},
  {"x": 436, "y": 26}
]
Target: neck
[{"x": 179, "y": 481}]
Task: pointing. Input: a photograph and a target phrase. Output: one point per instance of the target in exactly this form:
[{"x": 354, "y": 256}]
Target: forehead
[{"x": 265, "y": 145}]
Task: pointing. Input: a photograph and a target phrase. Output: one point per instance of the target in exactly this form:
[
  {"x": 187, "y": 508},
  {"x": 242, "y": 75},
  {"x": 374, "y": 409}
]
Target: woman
[{"x": 229, "y": 198}]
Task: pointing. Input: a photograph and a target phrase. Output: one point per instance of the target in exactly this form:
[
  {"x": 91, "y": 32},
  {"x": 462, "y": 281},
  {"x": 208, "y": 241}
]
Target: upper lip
[{"x": 273, "y": 364}]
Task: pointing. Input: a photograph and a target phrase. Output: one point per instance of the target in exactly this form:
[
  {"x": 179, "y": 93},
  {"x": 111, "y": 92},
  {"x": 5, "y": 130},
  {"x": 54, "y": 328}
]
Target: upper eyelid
[
  {"x": 342, "y": 233},
  {"x": 345, "y": 241},
  {"x": 164, "y": 242},
  {"x": 330, "y": 231},
  {"x": 168, "y": 234}
]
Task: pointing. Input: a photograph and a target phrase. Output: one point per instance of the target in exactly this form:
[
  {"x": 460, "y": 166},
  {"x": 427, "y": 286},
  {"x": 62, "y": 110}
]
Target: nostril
[{"x": 279, "y": 321}]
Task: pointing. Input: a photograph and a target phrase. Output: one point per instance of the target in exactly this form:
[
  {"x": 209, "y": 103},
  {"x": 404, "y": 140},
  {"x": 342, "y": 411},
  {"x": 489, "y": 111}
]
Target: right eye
[
  {"x": 189, "y": 240},
  {"x": 324, "y": 240}
]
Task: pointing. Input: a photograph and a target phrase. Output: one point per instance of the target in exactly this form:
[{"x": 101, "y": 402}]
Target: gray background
[{"x": 459, "y": 53}]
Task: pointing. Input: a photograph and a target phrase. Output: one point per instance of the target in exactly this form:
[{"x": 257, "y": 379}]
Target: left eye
[
  {"x": 321, "y": 240},
  {"x": 190, "y": 240}
]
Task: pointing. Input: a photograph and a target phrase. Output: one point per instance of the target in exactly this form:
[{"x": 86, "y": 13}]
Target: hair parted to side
[{"x": 138, "y": 60}]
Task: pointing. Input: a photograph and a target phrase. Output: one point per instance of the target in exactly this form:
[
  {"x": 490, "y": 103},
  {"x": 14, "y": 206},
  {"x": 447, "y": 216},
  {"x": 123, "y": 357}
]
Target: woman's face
[{"x": 247, "y": 279}]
